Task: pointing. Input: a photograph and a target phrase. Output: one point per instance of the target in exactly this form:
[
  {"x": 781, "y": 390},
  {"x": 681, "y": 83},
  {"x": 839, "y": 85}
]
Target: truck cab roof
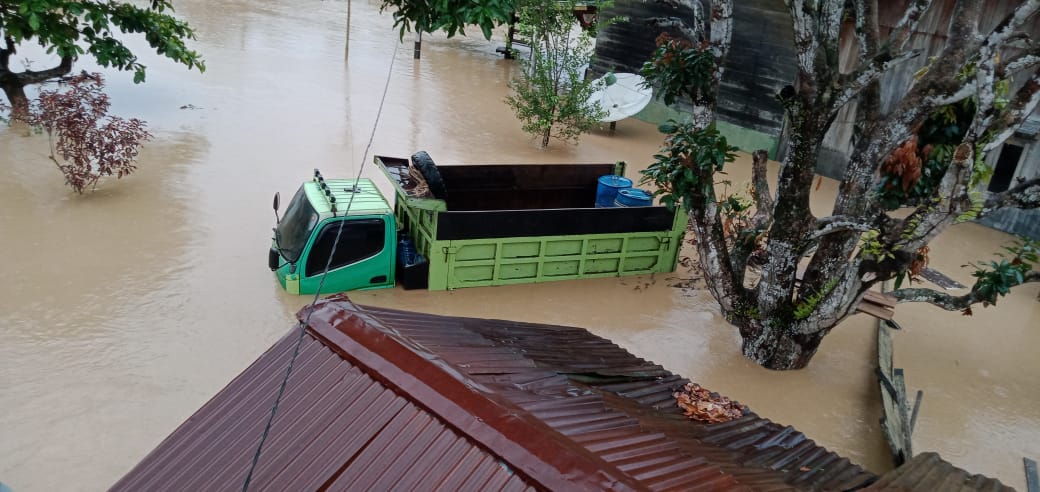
[{"x": 353, "y": 197}]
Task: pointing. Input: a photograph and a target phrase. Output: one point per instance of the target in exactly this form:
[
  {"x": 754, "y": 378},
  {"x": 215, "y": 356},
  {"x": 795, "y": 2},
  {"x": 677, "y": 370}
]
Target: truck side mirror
[{"x": 277, "y": 199}]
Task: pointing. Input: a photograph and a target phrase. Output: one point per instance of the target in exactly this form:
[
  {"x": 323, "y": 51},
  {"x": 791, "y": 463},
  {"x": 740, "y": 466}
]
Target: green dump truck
[{"x": 466, "y": 226}]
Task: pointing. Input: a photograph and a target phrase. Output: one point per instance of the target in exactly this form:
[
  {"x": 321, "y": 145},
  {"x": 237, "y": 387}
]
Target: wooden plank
[
  {"x": 893, "y": 420},
  {"x": 1032, "y": 482},
  {"x": 881, "y": 298},
  {"x": 901, "y": 403},
  {"x": 917, "y": 408},
  {"x": 876, "y": 311}
]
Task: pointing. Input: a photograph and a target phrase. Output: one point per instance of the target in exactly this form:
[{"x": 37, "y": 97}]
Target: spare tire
[{"x": 422, "y": 161}]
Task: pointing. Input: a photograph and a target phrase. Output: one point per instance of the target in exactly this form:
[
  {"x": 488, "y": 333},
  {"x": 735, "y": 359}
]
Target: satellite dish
[{"x": 621, "y": 95}]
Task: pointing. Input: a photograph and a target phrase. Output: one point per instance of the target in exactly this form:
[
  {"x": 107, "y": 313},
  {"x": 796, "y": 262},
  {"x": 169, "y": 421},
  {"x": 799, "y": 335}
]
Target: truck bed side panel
[
  {"x": 552, "y": 222},
  {"x": 513, "y": 260}
]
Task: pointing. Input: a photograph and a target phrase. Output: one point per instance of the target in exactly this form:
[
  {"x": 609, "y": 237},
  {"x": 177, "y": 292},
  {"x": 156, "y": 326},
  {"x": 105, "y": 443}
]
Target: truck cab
[{"x": 321, "y": 210}]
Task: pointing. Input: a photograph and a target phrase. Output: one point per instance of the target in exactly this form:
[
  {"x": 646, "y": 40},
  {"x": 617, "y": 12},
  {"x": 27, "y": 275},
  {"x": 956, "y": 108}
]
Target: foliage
[
  {"x": 71, "y": 28},
  {"x": 996, "y": 277},
  {"x": 551, "y": 95},
  {"x": 687, "y": 156},
  {"x": 917, "y": 266},
  {"x": 677, "y": 68},
  {"x": 451, "y": 16},
  {"x": 872, "y": 246},
  {"x": 807, "y": 305},
  {"x": 700, "y": 404},
  {"x": 735, "y": 210},
  {"x": 91, "y": 143}
]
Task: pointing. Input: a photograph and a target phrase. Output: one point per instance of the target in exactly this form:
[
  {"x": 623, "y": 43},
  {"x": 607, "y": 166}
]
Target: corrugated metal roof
[
  {"x": 384, "y": 399},
  {"x": 621, "y": 407},
  {"x": 338, "y": 428},
  {"x": 928, "y": 472}
]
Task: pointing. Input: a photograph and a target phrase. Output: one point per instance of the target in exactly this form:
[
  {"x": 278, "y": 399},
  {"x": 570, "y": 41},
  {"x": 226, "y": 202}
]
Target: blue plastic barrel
[
  {"x": 406, "y": 252},
  {"x": 608, "y": 187},
  {"x": 633, "y": 197}
]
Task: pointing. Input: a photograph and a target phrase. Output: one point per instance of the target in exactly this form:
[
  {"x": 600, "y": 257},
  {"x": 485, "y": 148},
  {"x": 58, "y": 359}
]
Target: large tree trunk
[
  {"x": 775, "y": 346},
  {"x": 15, "y": 93}
]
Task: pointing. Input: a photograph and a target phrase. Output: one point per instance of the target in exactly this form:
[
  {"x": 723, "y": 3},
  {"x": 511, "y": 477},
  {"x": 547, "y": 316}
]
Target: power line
[{"x": 310, "y": 309}]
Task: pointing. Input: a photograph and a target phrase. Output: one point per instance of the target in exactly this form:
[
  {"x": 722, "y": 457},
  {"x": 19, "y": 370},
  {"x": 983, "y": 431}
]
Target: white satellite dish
[{"x": 625, "y": 97}]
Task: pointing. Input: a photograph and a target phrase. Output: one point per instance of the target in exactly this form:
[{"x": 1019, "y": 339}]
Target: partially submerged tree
[
  {"x": 86, "y": 143},
  {"x": 551, "y": 94},
  {"x": 783, "y": 320},
  {"x": 451, "y": 16},
  {"x": 71, "y": 28}
]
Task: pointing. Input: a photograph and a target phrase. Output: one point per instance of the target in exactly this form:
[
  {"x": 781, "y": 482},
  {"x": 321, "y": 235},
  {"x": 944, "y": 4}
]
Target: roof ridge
[
  {"x": 498, "y": 425},
  {"x": 643, "y": 390}
]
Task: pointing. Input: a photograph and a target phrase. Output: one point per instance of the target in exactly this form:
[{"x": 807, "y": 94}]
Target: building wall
[
  {"x": 759, "y": 64},
  {"x": 762, "y": 60},
  {"x": 1021, "y": 222}
]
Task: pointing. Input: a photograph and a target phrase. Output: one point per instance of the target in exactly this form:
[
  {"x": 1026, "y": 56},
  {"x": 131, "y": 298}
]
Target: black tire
[{"x": 422, "y": 161}]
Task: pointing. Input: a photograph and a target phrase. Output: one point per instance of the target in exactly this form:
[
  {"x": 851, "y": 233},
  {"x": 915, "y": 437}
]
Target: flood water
[{"x": 124, "y": 310}]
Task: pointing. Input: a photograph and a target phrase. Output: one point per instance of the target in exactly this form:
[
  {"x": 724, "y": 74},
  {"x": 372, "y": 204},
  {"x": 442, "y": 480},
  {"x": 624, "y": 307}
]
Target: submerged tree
[
  {"x": 71, "y": 28},
  {"x": 781, "y": 320},
  {"x": 450, "y": 16},
  {"x": 551, "y": 95},
  {"x": 86, "y": 143}
]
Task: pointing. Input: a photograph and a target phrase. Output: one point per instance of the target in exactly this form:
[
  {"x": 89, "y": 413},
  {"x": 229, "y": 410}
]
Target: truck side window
[{"x": 359, "y": 240}]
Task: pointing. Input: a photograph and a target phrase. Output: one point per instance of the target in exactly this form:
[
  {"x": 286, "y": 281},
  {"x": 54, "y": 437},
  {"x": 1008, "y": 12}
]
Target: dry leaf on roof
[{"x": 700, "y": 404}]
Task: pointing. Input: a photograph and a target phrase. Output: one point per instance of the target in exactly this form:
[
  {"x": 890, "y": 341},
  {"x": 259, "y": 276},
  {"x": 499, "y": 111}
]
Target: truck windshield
[{"x": 296, "y": 227}]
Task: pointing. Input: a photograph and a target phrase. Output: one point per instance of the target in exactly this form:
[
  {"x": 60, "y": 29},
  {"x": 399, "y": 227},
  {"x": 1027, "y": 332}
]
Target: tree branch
[
  {"x": 831, "y": 13},
  {"x": 931, "y": 218},
  {"x": 760, "y": 189},
  {"x": 946, "y": 301},
  {"x": 868, "y": 74},
  {"x": 1009, "y": 26},
  {"x": 1023, "y": 62},
  {"x": 837, "y": 223},
  {"x": 1024, "y": 196},
  {"x": 31, "y": 77},
  {"x": 1003, "y": 125},
  {"x": 904, "y": 29},
  {"x": 805, "y": 41},
  {"x": 721, "y": 30},
  {"x": 5, "y": 54}
]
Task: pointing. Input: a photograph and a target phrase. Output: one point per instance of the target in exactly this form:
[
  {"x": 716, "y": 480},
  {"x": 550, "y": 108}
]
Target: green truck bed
[{"x": 510, "y": 224}]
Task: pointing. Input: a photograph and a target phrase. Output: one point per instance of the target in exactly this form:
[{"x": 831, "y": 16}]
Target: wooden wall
[
  {"x": 930, "y": 38},
  {"x": 760, "y": 61}
]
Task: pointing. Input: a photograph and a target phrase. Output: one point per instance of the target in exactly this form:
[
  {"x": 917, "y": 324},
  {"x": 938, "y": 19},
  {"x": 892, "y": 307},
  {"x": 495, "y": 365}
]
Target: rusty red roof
[{"x": 387, "y": 399}]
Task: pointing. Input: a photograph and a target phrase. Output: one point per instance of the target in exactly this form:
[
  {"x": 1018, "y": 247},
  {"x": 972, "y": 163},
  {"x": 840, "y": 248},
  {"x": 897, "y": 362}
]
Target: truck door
[{"x": 363, "y": 259}]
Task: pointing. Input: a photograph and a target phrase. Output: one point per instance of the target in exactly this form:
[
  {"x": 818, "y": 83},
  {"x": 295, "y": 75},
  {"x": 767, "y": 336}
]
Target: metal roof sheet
[
  {"x": 338, "y": 428},
  {"x": 385, "y": 399},
  {"x": 621, "y": 406},
  {"x": 928, "y": 472}
]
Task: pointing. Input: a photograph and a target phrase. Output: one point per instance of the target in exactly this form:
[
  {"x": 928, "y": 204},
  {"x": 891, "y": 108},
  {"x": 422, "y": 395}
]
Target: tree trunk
[
  {"x": 545, "y": 137},
  {"x": 775, "y": 347},
  {"x": 15, "y": 93}
]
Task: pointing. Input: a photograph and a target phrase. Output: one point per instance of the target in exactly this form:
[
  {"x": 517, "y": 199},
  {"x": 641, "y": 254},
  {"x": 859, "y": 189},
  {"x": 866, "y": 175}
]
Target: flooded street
[{"x": 124, "y": 310}]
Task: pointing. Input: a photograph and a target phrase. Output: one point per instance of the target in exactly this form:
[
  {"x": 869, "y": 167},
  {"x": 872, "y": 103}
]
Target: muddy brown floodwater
[{"x": 123, "y": 310}]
